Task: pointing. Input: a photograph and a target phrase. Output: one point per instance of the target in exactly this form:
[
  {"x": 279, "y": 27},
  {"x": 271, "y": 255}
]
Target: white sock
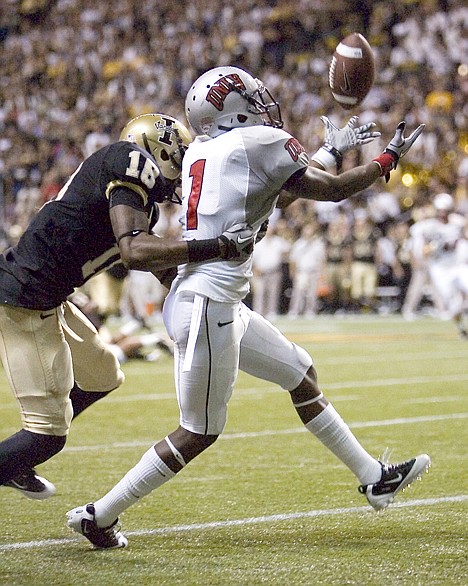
[
  {"x": 334, "y": 434},
  {"x": 150, "y": 473}
]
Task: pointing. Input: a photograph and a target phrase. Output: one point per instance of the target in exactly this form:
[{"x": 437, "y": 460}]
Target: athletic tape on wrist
[
  {"x": 386, "y": 162},
  {"x": 329, "y": 157}
]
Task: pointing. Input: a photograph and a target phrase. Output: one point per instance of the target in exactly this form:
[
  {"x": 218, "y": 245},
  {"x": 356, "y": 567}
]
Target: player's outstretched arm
[
  {"x": 337, "y": 141},
  {"x": 319, "y": 185}
]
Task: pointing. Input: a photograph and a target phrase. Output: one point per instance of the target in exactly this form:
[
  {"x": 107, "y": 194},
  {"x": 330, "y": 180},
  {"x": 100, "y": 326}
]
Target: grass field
[{"x": 267, "y": 504}]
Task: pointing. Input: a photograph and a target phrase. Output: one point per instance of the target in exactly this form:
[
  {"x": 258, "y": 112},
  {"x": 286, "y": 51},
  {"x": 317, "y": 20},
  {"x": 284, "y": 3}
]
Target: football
[{"x": 352, "y": 71}]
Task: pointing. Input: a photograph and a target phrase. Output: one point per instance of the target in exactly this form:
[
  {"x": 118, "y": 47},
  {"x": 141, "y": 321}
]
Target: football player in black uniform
[{"x": 54, "y": 359}]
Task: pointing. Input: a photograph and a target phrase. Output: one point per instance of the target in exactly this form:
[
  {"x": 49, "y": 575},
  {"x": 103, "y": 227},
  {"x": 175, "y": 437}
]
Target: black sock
[
  {"x": 24, "y": 450},
  {"x": 81, "y": 400}
]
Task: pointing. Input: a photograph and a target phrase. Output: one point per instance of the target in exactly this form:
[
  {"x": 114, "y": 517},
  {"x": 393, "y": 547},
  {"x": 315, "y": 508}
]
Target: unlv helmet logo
[{"x": 222, "y": 88}]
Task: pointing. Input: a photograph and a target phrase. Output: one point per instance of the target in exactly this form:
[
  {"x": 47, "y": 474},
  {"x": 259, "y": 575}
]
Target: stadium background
[
  {"x": 73, "y": 72},
  {"x": 266, "y": 506}
]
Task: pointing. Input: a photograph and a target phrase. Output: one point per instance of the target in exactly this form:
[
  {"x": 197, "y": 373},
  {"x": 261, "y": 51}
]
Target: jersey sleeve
[
  {"x": 122, "y": 195},
  {"x": 275, "y": 155},
  {"x": 134, "y": 169}
]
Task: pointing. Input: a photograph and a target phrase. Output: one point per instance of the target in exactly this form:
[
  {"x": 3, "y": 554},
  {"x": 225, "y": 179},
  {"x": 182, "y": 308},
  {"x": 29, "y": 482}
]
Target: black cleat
[
  {"x": 31, "y": 485},
  {"x": 395, "y": 477}
]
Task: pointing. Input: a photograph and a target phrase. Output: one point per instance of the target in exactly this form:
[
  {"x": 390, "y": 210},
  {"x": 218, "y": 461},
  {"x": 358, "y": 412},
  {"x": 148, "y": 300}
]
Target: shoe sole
[{"x": 422, "y": 464}]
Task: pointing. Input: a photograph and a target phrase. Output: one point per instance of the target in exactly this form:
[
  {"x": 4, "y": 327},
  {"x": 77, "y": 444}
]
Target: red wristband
[{"x": 386, "y": 163}]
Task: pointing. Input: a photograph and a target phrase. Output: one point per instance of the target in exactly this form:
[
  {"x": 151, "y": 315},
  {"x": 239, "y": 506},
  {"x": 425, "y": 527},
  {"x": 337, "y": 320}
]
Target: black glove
[
  {"x": 238, "y": 242},
  {"x": 262, "y": 231}
]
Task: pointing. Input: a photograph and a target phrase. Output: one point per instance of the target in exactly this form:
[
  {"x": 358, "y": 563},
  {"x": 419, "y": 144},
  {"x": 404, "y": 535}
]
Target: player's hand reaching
[
  {"x": 237, "y": 242},
  {"x": 338, "y": 141},
  {"x": 397, "y": 148},
  {"x": 348, "y": 137},
  {"x": 399, "y": 145}
]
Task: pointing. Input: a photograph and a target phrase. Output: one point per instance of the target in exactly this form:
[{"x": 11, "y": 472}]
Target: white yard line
[
  {"x": 269, "y": 432},
  {"x": 356, "y": 384},
  {"x": 247, "y": 521}
]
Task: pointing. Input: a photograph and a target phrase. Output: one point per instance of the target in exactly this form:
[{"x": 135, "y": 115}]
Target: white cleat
[{"x": 83, "y": 521}]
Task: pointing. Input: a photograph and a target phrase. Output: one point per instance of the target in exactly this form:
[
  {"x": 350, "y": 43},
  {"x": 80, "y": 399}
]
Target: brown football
[{"x": 352, "y": 71}]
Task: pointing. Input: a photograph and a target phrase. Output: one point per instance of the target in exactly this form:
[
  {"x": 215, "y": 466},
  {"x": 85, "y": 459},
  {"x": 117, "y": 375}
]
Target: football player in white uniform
[
  {"x": 234, "y": 171},
  {"x": 460, "y": 283},
  {"x": 434, "y": 242},
  {"x": 440, "y": 240}
]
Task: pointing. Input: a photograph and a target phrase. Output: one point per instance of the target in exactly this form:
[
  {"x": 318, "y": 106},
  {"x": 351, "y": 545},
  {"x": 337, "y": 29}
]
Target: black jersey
[{"x": 71, "y": 238}]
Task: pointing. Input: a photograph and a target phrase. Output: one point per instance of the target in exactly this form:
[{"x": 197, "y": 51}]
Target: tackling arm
[
  {"x": 145, "y": 251},
  {"x": 140, "y": 249}
]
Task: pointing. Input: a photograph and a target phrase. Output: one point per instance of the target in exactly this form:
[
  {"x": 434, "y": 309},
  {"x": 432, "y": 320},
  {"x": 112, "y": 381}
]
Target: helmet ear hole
[
  {"x": 242, "y": 118},
  {"x": 162, "y": 136}
]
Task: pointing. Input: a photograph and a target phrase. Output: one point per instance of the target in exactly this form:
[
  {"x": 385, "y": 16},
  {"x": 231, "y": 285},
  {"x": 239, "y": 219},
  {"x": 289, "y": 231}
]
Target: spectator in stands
[
  {"x": 268, "y": 258},
  {"x": 339, "y": 260},
  {"x": 306, "y": 265},
  {"x": 364, "y": 237}
]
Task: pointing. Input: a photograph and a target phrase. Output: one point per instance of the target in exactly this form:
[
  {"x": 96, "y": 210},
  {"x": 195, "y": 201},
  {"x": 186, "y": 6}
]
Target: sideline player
[
  {"x": 54, "y": 359},
  {"x": 237, "y": 168}
]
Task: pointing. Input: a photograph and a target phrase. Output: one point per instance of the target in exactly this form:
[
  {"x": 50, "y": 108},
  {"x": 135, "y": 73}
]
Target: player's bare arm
[
  {"x": 140, "y": 249},
  {"x": 318, "y": 185},
  {"x": 337, "y": 141},
  {"x": 145, "y": 251}
]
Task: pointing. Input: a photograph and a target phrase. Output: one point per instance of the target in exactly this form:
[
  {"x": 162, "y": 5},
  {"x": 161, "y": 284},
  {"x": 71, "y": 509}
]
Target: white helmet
[
  {"x": 443, "y": 202},
  {"x": 162, "y": 136},
  {"x": 228, "y": 97}
]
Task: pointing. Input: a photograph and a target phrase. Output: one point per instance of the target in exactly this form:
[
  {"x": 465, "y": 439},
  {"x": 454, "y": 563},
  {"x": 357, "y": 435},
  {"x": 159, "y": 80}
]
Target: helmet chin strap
[{"x": 225, "y": 128}]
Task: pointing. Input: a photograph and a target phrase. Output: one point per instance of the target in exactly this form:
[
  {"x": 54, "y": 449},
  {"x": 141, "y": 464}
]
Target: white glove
[
  {"x": 238, "y": 242},
  {"x": 397, "y": 148},
  {"x": 348, "y": 137},
  {"x": 338, "y": 141},
  {"x": 399, "y": 145}
]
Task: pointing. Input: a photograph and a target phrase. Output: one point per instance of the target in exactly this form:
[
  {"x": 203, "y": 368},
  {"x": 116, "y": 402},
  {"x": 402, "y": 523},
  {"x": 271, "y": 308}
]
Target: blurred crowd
[{"x": 74, "y": 71}]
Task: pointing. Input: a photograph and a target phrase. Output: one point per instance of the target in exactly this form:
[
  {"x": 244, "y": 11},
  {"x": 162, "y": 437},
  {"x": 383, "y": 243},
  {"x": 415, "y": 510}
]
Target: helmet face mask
[
  {"x": 228, "y": 97},
  {"x": 164, "y": 137}
]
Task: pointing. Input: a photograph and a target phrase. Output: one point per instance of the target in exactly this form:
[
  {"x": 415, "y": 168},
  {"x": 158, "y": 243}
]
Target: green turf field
[{"x": 267, "y": 504}]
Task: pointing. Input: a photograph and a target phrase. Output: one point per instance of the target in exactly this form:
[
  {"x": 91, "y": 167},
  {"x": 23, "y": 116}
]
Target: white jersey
[
  {"x": 235, "y": 177},
  {"x": 308, "y": 254},
  {"x": 440, "y": 237}
]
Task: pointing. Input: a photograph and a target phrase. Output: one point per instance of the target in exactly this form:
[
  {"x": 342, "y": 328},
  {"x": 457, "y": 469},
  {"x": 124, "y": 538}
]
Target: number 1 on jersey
[{"x": 196, "y": 172}]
